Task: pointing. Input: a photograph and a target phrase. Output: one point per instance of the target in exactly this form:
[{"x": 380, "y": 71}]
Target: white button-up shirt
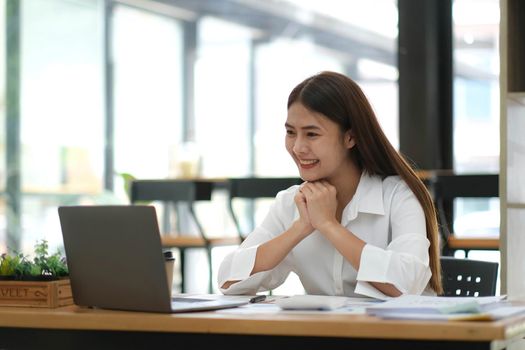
[{"x": 384, "y": 213}]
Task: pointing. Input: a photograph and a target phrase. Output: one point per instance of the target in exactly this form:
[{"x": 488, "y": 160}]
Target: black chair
[
  {"x": 181, "y": 196},
  {"x": 446, "y": 188},
  {"x": 251, "y": 189},
  {"x": 466, "y": 277}
]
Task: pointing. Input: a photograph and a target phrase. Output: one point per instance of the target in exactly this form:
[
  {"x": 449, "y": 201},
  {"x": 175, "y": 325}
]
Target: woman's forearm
[
  {"x": 271, "y": 253},
  {"x": 351, "y": 247},
  {"x": 386, "y": 288},
  {"x": 348, "y": 244}
]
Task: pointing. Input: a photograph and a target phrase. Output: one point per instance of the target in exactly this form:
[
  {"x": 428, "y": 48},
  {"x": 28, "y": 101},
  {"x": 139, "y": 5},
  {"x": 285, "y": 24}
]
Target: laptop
[{"x": 115, "y": 261}]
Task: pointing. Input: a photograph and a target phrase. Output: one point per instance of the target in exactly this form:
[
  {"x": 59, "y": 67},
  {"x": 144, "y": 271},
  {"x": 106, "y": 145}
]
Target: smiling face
[{"x": 317, "y": 145}]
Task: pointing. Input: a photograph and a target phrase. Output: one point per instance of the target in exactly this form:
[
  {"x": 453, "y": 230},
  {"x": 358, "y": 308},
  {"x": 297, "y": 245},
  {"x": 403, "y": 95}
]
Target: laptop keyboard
[{"x": 188, "y": 300}]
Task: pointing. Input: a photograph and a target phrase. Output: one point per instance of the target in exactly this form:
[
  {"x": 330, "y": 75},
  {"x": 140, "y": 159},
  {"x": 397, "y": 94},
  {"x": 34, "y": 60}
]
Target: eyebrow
[{"x": 307, "y": 127}]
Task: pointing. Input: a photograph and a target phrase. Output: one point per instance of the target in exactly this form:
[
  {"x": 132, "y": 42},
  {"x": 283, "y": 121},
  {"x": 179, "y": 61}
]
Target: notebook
[{"x": 115, "y": 261}]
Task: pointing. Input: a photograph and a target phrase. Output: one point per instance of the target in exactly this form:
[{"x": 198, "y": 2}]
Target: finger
[
  {"x": 300, "y": 203},
  {"x": 307, "y": 188},
  {"x": 324, "y": 183},
  {"x": 300, "y": 199},
  {"x": 320, "y": 187},
  {"x": 327, "y": 186},
  {"x": 299, "y": 196}
]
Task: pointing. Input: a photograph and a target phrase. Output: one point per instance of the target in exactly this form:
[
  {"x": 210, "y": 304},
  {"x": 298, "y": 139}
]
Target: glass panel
[
  {"x": 2, "y": 104},
  {"x": 363, "y": 14},
  {"x": 3, "y": 226},
  {"x": 222, "y": 94},
  {"x": 3, "y": 213},
  {"x": 383, "y": 95},
  {"x": 61, "y": 111},
  {"x": 148, "y": 95},
  {"x": 476, "y": 217},
  {"x": 476, "y": 86},
  {"x": 476, "y": 111}
]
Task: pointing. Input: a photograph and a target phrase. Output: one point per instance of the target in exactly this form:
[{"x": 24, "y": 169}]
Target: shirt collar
[{"x": 368, "y": 197}]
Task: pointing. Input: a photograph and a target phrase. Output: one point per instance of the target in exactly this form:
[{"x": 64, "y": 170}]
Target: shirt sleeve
[
  {"x": 405, "y": 261},
  {"x": 238, "y": 264}
]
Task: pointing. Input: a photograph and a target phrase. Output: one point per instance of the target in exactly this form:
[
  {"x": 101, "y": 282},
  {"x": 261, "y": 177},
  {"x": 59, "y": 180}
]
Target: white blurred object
[
  {"x": 311, "y": 302},
  {"x": 478, "y": 224}
]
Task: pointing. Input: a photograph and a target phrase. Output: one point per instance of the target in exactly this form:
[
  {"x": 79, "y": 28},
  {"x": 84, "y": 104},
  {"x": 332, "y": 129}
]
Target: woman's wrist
[
  {"x": 303, "y": 229},
  {"x": 328, "y": 226}
]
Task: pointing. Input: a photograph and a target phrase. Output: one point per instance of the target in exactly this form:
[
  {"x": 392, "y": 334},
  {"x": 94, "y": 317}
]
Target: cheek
[
  {"x": 335, "y": 152},
  {"x": 288, "y": 143}
]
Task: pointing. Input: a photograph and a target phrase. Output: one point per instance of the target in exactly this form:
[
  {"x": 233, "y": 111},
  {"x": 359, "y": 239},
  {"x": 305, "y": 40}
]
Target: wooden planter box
[{"x": 49, "y": 294}]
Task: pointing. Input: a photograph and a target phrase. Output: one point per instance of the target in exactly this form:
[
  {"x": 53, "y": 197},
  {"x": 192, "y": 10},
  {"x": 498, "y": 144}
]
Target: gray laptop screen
[{"x": 115, "y": 258}]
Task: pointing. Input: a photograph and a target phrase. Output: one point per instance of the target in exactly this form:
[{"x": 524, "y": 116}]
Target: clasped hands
[{"x": 317, "y": 204}]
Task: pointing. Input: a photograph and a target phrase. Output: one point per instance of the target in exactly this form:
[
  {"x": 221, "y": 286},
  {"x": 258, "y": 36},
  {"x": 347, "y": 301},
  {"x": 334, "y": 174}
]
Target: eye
[
  {"x": 290, "y": 132},
  {"x": 311, "y": 134}
]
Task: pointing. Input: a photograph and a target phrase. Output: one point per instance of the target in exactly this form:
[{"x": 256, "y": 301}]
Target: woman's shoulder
[
  {"x": 395, "y": 184},
  {"x": 392, "y": 181}
]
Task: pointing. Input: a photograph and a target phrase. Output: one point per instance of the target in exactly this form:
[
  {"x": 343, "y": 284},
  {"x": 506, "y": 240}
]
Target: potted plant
[
  {"x": 40, "y": 282},
  {"x": 43, "y": 267}
]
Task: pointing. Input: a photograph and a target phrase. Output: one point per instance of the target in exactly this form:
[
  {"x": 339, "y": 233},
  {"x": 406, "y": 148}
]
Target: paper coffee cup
[{"x": 170, "y": 262}]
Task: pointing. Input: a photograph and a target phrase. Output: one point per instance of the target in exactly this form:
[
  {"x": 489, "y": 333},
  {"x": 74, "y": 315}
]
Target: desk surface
[{"x": 317, "y": 324}]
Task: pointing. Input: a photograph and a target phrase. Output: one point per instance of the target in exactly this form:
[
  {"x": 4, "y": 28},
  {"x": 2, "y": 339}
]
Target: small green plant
[{"x": 44, "y": 266}]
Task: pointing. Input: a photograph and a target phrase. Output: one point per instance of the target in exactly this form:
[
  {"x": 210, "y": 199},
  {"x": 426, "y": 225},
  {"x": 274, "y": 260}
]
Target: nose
[{"x": 300, "y": 146}]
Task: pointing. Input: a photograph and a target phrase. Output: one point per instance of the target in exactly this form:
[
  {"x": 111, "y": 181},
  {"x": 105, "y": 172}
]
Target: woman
[{"x": 362, "y": 223}]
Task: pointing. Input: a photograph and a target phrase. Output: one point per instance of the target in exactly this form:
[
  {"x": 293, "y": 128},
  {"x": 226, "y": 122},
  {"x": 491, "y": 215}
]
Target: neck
[{"x": 346, "y": 183}]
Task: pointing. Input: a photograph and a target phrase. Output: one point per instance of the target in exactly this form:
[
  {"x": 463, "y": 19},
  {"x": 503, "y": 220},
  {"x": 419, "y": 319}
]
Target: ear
[{"x": 349, "y": 139}]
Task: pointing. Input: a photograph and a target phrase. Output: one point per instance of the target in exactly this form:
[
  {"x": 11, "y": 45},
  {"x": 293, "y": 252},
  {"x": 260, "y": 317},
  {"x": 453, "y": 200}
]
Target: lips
[{"x": 308, "y": 163}]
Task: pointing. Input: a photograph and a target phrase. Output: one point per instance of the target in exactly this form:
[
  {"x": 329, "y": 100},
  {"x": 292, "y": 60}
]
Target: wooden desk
[
  {"x": 80, "y": 328},
  {"x": 458, "y": 243}
]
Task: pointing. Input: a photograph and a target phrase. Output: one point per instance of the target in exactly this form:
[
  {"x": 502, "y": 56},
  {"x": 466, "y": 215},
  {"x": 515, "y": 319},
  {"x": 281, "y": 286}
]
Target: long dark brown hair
[{"x": 341, "y": 100}]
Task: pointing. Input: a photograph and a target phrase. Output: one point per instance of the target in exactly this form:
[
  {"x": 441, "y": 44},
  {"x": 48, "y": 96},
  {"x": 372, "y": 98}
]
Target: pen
[{"x": 258, "y": 298}]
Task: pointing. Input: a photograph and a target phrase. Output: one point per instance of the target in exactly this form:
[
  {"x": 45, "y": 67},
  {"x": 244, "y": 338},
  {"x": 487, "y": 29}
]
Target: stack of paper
[{"x": 445, "y": 308}]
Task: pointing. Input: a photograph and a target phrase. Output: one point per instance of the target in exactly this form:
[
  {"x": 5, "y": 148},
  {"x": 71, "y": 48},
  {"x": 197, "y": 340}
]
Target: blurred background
[{"x": 93, "y": 91}]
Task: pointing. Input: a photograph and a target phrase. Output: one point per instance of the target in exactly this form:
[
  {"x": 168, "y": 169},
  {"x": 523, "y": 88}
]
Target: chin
[{"x": 310, "y": 177}]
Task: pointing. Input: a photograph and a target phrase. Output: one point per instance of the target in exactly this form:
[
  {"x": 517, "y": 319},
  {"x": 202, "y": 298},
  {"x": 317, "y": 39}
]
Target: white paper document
[
  {"x": 311, "y": 302},
  {"x": 308, "y": 304},
  {"x": 496, "y": 313},
  {"x": 434, "y": 305},
  {"x": 324, "y": 302},
  {"x": 417, "y": 307}
]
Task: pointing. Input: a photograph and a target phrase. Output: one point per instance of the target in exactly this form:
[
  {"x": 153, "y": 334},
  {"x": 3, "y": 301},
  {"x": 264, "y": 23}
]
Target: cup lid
[{"x": 168, "y": 255}]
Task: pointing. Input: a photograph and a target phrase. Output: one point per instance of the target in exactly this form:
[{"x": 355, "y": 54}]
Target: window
[
  {"x": 476, "y": 86},
  {"x": 3, "y": 209},
  {"x": 147, "y": 51},
  {"x": 476, "y": 113},
  {"x": 222, "y": 97},
  {"x": 61, "y": 113},
  {"x": 196, "y": 89}
]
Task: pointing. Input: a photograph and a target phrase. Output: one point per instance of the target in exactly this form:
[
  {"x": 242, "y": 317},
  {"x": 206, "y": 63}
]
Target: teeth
[{"x": 307, "y": 162}]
